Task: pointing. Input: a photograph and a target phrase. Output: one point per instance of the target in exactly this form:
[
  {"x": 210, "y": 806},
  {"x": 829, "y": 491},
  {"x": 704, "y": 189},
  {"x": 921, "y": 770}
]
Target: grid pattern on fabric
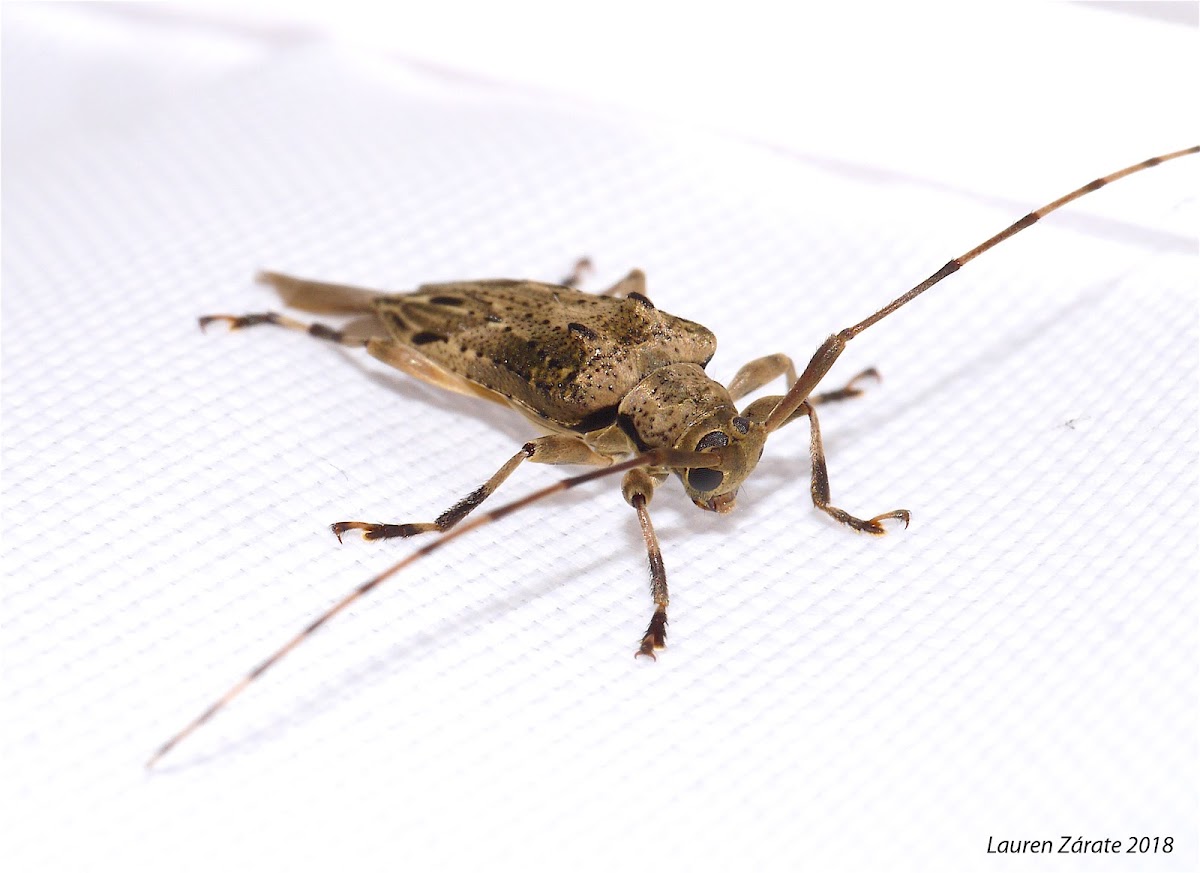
[{"x": 1023, "y": 649}]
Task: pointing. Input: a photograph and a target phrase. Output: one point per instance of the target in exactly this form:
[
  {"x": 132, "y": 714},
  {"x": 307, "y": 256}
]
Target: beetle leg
[
  {"x": 552, "y": 449},
  {"x": 634, "y": 283},
  {"x": 582, "y": 267},
  {"x": 850, "y": 389},
  {"x": 358, "y": 333},
  {"x": 820, "y": 484},
  {"x": 757, "y": 373},
  {"x": 638, "y": 486},
  {"x": 760, "y": 371}
]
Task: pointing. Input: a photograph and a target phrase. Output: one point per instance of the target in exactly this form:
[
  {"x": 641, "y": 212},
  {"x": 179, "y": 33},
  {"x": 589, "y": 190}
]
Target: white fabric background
[{"x": 1020, "y": 663}]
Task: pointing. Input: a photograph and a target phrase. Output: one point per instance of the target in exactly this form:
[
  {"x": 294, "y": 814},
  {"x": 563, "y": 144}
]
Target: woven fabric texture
[{"x": 1019, "y": 663}]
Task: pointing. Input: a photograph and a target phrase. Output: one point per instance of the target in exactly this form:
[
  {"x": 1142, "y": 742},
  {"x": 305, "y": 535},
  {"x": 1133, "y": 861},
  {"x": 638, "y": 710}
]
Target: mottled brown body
[
  {"x": 616, "y": 383},
  {"x": 563, "y": 358},
  {"x": 604, "y": 375}
]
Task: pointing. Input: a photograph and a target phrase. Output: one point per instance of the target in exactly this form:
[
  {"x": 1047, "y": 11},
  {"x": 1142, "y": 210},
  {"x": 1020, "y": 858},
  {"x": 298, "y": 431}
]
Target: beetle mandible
[{"x": 613, "y": 381}]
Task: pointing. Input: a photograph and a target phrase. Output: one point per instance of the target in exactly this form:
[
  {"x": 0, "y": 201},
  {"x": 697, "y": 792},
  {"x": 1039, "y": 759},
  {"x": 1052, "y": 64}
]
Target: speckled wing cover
[{"x": 562, "y": 357}]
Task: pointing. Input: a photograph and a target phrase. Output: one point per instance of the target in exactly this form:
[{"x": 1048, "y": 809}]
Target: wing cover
[{"x": 563, "y": 355}]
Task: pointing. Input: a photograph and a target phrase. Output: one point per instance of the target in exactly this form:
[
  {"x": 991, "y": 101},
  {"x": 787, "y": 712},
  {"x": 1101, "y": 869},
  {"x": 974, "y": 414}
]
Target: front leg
[
  {"x": 638, "y": 487},
  {"x": 552, "y": 449},
  {"x": 820, "y": 485}
]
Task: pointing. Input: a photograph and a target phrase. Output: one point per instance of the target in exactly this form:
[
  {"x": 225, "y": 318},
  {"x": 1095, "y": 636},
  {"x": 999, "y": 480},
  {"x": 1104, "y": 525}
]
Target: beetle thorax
[{"x": 670, "y": 402}]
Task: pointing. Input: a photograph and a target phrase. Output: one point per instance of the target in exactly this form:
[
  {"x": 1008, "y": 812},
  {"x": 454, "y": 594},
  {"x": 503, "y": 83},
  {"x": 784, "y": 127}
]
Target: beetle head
[{"x": 738, "y": 441}]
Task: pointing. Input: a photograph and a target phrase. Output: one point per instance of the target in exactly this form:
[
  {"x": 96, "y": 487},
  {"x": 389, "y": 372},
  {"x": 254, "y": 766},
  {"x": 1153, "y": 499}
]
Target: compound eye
[
  {"x": 741, "y": 425},
  {"x": 704, "y": 479},
  {"x": 710, "y": 440}
]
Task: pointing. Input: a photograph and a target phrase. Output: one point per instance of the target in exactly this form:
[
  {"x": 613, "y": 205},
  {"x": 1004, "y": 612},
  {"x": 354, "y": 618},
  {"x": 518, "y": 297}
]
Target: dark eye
[
  {"x": 741, "y": 425},
  {"x": 708, "y": 441},
  {"x": 703, "y": 479}
]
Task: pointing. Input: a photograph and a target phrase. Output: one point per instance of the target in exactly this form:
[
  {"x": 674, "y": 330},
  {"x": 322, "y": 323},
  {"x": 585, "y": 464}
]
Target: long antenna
[{"x": 832, "y": 347}]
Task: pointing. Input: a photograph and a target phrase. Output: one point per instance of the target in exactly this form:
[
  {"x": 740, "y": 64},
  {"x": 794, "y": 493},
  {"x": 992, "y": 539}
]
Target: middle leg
[
  {"x": 552, "y": 449},
  {"x": 760, "y": 371},
  {"x": 582, "y": 267},
  {"x": 632, "y": 285}
]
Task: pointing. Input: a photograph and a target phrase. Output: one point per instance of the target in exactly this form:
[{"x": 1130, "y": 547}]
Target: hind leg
[
  {"x": 310, "y": 296},
  {"x": 354, "y": 334}
]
